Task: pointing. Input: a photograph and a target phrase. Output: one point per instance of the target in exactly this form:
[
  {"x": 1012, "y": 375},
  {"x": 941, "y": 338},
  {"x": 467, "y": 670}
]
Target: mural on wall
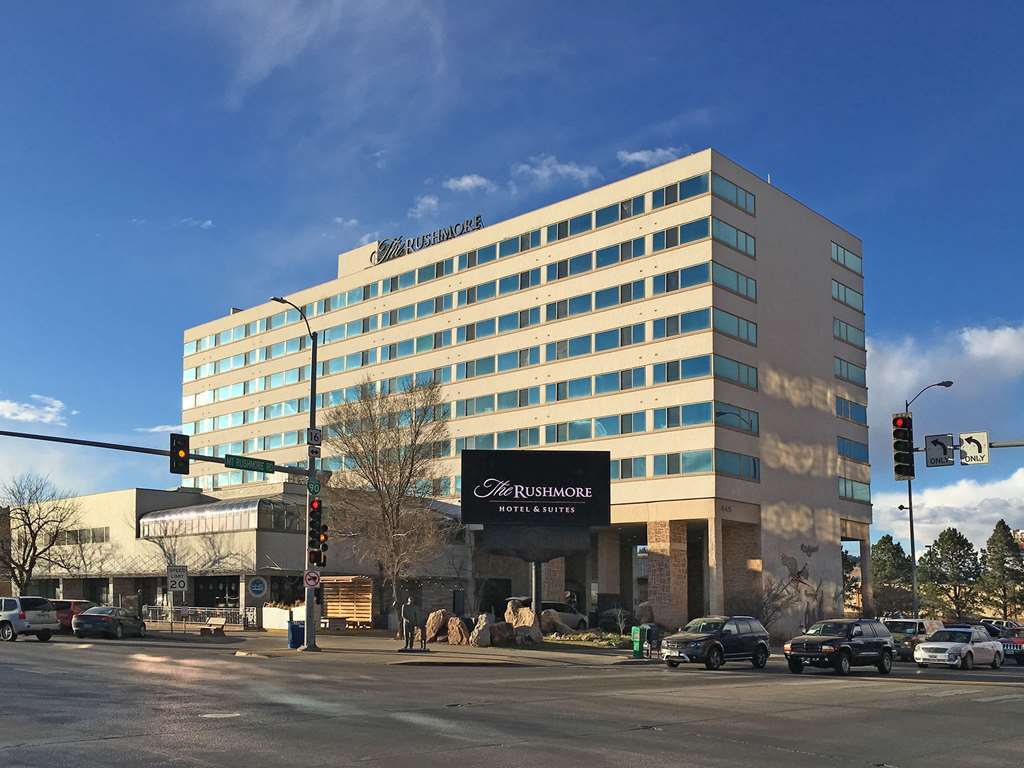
[{"x": 812, "y": 592}]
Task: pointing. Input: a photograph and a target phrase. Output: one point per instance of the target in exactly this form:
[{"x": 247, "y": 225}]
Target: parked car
[
  {"x": 1013, "y": 644},
  {"x": 960, "y": 648},
  {"x": 566, "y": 613},
  {"x": 994, "y": 630},
  {"x": 27, "y": 616},
  {"x": 68, "y": 609},
  {"x": 109, "y": 621},
  {"x": 907, "y": 633},
  {"x": 715, "y": 640},
  {"x": 1005, "y": 624},
  {"x": 840, "y": 644}
]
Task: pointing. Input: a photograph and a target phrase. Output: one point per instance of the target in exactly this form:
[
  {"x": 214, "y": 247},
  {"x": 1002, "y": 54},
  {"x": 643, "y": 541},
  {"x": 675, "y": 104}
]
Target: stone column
[
  {"x": 608, "y": 588},
  {"x": 716, "y": 570},
  {"x": 666, "y": 579},
  {"x": 867, "y": 593},
  {"x": 554, "y": 580}
]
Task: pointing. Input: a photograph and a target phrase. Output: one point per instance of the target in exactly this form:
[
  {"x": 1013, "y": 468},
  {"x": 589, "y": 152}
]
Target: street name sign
[
  {"x": 973, "y": 448},
  {"x": 311, "y": 579},
  {"x": 938, "y": 450},
  {"x": 247, "y": 463},
  {"x": 177, "y": 578}
]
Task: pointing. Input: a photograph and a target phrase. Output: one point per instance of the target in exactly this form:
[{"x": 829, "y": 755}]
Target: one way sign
[
  {"x": 938, "y": 450},
  {"x": 973, "y": 448}
]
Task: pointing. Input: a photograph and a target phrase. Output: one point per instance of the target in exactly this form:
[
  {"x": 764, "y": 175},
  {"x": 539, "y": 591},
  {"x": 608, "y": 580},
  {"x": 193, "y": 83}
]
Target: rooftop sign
[{"x": 395, "y": 247}]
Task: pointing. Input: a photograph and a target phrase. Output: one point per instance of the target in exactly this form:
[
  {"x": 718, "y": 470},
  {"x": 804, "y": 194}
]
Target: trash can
[
  {"x": 638, "y": 636},
  {"x": 296, "y": 634}
]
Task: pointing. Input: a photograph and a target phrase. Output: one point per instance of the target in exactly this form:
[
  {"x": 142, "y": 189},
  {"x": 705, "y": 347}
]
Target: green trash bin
[{"x": 638, "y": 637}]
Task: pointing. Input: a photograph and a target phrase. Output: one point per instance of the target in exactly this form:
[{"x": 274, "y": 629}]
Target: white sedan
[{"x": 960, "y": 648}]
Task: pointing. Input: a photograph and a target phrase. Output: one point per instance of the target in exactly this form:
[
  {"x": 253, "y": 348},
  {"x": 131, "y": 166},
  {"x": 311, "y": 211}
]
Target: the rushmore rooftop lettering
[{"x": 394, "y": 247}]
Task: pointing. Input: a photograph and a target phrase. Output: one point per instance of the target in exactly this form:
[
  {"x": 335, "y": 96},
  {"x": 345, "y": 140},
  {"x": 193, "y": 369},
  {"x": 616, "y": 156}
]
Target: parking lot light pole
[
  {"x": 910, "y": 506},
  {"x": 309, "y": 634}
]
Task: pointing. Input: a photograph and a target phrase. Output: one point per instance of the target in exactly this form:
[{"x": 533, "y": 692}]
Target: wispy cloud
[
  {"x": 648, "y": 157},
  {"x": 194, "y": 223},
  {"x": 369, "y": 237},
  {"x": 42, "y": 410},
  {"x": 425, "y": 205},
  {"x": 341, "y": 221},
  {"x": 544, "y": 170},
  {"x": 471, "y": 182},
  {"x": 160, "y": 428}
]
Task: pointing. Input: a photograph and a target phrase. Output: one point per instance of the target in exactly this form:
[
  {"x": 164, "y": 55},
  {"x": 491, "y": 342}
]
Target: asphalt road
[{"x": 107, "y": 703}]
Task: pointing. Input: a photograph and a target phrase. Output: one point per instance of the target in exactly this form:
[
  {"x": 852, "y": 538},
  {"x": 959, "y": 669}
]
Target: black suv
[
  {"x": 840, "y": 644},
  {"x": 717, "y": 639}
]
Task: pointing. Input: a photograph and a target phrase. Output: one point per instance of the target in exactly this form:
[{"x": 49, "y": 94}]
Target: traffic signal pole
[{"x": 309, "y": 636}]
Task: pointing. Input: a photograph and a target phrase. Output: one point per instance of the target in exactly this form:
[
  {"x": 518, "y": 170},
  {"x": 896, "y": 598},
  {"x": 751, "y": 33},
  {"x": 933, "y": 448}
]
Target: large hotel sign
[
  {"x": 539, "y": 488},
  {"x": 395, "y": 247}
]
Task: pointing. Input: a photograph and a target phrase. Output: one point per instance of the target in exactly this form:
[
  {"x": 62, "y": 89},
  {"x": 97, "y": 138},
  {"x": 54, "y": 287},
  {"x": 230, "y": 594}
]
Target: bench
[{"x": 214, "y": 627}]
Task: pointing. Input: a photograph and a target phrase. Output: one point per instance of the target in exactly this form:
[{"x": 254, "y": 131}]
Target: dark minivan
[
  {"x": 715, "y": 640},
  {"x": 840, "y": 644}
]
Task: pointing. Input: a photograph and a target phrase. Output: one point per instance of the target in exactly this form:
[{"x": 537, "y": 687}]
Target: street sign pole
[{"x": 309, "y": 638}]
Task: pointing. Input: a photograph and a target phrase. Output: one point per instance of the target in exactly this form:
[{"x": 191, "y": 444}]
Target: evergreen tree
[
  {"x": 948, "y": 573},
  {"x": 1002, "y": 577},
  {"x": 851, "y": 583},
  {"x": 890, "y": 575}
]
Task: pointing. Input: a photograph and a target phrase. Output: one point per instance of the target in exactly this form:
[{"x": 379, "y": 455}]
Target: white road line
[
  {"x": 988, "y": 699},
  {"x": 941, "y": 694}
]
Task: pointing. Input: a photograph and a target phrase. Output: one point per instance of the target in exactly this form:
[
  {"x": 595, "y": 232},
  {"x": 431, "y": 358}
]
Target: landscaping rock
[
  {"x": 458, "y": 634},
  {"x": 502, "y": 633},
  {"x": 437, "y": 625},
  {"x": 551, "y": 621},
  {"x": 519, "y": 616},
  {"x": 481, "y": 634},
  {"x": 528, "y": 636}
]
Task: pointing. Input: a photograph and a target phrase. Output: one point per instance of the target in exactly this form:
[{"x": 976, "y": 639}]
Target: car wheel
[
  {"x": 842, "y": 664},
  {"x": 79, "y": 634},
  {"x": 671, "y": 664},
  {"x": 43, "y": 636},
  {"x": 760, "y": 658},
  {"x": 714, "y": 658},
  {"x": 796, "y": 666},
  {"x": 997, "y": 662},
  {"x": 7, "y": 632},
  {"x": 885, "y": 665},
  {"x": 967, "y": 662}
]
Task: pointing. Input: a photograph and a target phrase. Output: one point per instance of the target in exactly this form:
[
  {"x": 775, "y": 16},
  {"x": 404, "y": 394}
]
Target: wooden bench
[{"x": 214, "y": 627}]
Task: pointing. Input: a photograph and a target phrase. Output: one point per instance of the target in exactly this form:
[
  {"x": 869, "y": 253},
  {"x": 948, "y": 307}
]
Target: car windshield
[
  {"x": 101, "y": 609},
  {"x": 904, "y": 627},
  {"x": 951, "y": 636},
  {"x": 829, "y": 628},
  {"x": 703, "y": 625}
]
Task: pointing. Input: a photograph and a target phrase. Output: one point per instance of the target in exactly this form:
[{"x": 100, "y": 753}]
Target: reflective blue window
[
  {"x": 607, "y": 215},
  {"x": 580, "y": 224},
  {"x": 695, "y": 230},
  {"x": 486, "y": 254},
  {"x": 847, "y": 409},
  {"x": 579, "y": 346},
  {"x": 697, "y": 185},
  {"x": 608, "y": 297}
]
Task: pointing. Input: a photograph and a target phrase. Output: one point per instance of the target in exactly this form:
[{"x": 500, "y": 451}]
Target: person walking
[{"x": 410, "y": 620}]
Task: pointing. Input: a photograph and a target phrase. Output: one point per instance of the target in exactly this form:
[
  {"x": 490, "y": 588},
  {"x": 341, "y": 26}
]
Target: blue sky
[{"x": 161, "y": 163}]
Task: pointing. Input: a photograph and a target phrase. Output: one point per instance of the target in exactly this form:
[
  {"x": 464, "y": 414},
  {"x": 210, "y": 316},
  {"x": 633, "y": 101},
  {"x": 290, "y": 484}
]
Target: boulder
[
  {"x": 645, "y": 613},
  {"x": 519, "y": 616},
  {"x": 551, "y": 621},
  {"x": 437, "y": 625},
  {"x": 512, "y": 610},
  {"x": 481, "y": 634},
  {"x": 458, "y": 634},
  {"x": 528, "y": 636},
  {"x": 502, "y": 633}
]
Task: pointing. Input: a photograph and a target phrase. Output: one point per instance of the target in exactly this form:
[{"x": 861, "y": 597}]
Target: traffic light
[
  {"x": 903, "y": 446},
  {"x": 179, "y": 454},
  {"x": 315, "y": 529},
  {"x": 323, "y": 538}
]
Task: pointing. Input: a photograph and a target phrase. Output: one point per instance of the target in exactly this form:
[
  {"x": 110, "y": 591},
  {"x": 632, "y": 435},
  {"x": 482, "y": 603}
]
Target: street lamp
[
  {"x": 910, "y": 503},
  {"x": 309, "y": 636}
]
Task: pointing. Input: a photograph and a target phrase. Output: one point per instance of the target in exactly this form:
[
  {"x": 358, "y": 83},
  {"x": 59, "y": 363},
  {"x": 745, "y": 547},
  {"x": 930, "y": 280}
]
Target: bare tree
[
  {"x": 33, "y": 531},
  {"x": 389, "y": 443}
]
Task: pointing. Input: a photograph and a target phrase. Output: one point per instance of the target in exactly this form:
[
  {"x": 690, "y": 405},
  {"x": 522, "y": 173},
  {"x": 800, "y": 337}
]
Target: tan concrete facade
[{"x": 790, "y": 517}]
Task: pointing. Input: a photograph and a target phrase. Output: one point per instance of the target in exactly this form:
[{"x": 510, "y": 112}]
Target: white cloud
[
  {"x": 1002, "y": 347},
  {"x": 42, "y": 410},
  {"x": 380, "y": 158},
  {"x": 160, "y": 428},
  {"x": 426, "y": 205},
  {"x": 970, "y": 506},
  {"x": 546, "y": 169},
  {"x": 648, "y": 157},
  {"x": 469, "y": 183},
  {"x": 369, "y": 237},
  {"x": 192, "y": 223},
  {"x": 341, "y": 221}
]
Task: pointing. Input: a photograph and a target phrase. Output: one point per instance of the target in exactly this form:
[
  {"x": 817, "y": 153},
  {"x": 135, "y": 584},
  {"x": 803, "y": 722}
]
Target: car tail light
[{"x": 21, "y": 615}]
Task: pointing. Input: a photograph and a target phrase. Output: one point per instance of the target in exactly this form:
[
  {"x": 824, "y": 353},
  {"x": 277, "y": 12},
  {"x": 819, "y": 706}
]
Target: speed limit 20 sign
[{"x": 177, "y": 578}]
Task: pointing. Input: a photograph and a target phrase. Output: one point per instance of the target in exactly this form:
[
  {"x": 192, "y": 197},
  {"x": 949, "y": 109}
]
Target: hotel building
[{"x": 700, "y": 324}]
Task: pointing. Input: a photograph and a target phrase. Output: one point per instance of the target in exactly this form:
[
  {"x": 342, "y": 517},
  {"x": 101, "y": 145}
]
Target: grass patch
[{"x": 592, "y": 639}]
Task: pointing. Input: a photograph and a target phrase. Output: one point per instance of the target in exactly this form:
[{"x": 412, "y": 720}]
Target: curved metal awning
[{"x": 218, "y": 508}]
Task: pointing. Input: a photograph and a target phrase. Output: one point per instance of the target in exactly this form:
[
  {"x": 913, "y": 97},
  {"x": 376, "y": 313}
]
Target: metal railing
[{"x": 184, "y": 614}]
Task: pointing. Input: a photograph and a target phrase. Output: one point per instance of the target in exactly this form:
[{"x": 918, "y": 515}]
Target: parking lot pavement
[{"x": 133, "y": 703}]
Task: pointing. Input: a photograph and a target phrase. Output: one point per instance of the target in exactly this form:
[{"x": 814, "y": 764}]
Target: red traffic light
[
  {"x": 899, "y": 422},
  {"x": 314, "y": 504}
]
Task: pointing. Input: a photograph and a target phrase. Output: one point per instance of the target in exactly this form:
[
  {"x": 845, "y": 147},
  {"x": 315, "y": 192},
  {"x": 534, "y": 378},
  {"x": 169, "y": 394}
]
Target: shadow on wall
[
  {"x": 798, "y": 391},
  {"x": 797, "y": 458}
]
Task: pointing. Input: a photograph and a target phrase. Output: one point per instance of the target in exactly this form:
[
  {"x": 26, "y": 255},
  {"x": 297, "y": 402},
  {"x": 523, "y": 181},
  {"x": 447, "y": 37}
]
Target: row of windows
[
  {"x": 844, "y": 294},
  {"x": 602, "y": 426},
  {"x": 851, "y": 449},
  {"x": 697, "y": 414},
  {"x": 701, "y": 365},
  {"x": 601, "y": 384},
  {"x": 506, "y": 361},
  {"x": 733, "y": 193},
  {"x": 855, "y": 412},
  {"x": 708, "y": 460},
  {"x": 689, "y": 277},
  {"x": 844, "y": 369},
  {"x": 83, "y": 536},
  {"x": 502, "y": 401},
  {"x": 602, "y": 341},
  {"x": 851, "y": 334},
  {"x": 848, "y": 259},
  {"x": 513, "y": 438},
  {"x": 854, "y": 490}
]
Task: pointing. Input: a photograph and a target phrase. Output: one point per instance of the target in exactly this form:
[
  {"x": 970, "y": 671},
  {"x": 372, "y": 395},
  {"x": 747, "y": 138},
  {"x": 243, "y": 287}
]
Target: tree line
[{"x": 955, "y": 579}]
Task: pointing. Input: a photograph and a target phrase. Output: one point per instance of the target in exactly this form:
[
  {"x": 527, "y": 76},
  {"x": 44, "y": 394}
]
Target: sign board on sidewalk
[
  {"x": 177, "y": 578},
  {"x": 973, "y": 448},
  {"x": 257, "y": 587},
  {"x": 938, "y": 450},
  {"x": 311, "y": 579}
]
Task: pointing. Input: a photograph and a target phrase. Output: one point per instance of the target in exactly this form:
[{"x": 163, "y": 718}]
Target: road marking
[
  {"x": 955, "y": 692},
  {"x": 221, "y": 715},
  {"x": 988, "y": 699},
  {"x": 75, "y": 646}
]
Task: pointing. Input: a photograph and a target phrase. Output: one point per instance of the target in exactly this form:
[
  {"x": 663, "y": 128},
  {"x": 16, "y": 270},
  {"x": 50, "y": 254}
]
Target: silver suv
[{"x": 27, "y": 616}]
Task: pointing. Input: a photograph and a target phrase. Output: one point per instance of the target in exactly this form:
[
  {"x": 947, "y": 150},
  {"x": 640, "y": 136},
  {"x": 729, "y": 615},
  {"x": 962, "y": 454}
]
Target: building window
[
  {"x": 737, "y": 465},
  {"x": 854, "y": 490},
  {"x": 851, "y": 449},
  {"x": 684, "y": 190},
  {"x": 731, "y": 193},
  {"x": 736, "y": 372},
  {"x": 673, "y": 236},
  {"x": 613, "y": 254},
  {"x": 687, "y": 322},
  {"x": 844, "y": 294},
  {"x": 690, "y": 415},
  {"x": 685, "y": 463},
  {"x": 855, "y": 412},
  {"x": 734, "y": 281},
  {"x": 844, "y": 369},
  {"x": 734, "y": 417},
  {"x": 734, "y": 238},
  {"x": 851, "y": 334},
  {"x": 737, "y": 327},
  {"x": 848, "y": 259},
  {"x": 628, "y": 469},
  {"x": 681, "y": 370}
]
